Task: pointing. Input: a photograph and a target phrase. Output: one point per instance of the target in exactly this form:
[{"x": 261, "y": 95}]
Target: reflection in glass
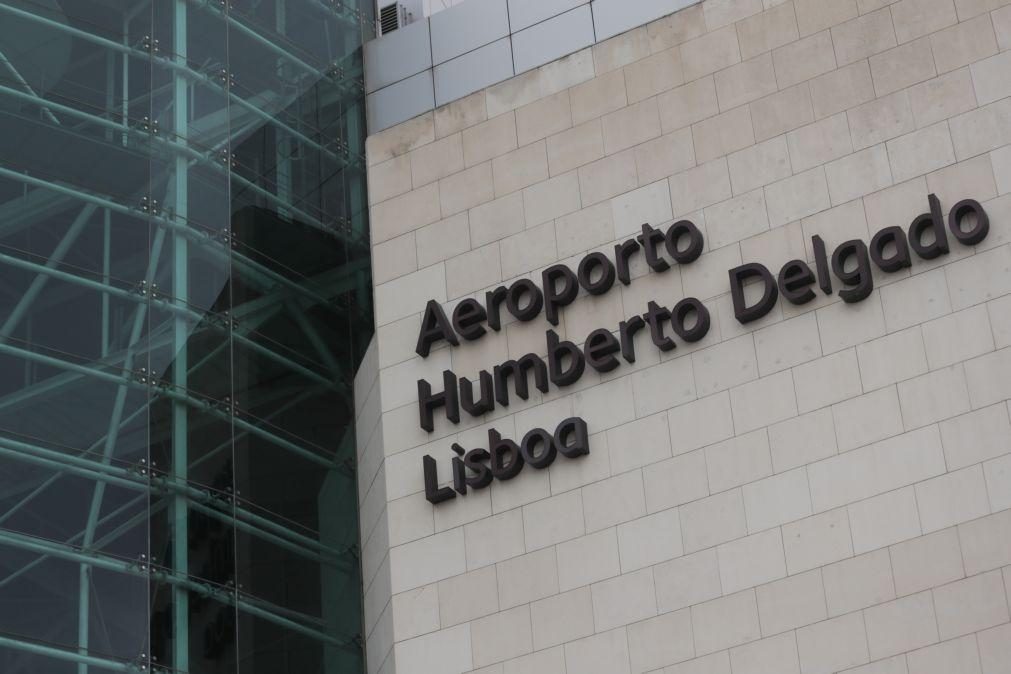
[{"x": 184, "y": 297}]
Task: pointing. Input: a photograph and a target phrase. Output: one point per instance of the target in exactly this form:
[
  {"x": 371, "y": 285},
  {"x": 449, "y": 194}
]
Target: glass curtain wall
[{"x": 184, "y": 297}]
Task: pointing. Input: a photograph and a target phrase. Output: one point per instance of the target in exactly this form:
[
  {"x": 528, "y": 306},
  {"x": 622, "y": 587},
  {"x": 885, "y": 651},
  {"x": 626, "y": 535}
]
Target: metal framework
[{"x": 140, "y": 321}]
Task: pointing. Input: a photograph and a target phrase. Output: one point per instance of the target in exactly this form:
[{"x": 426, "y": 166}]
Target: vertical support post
[
  {"x": 180, "y": 365},
  {"x": 106, "y": 269},
  {"x": 285, "y": 143}
]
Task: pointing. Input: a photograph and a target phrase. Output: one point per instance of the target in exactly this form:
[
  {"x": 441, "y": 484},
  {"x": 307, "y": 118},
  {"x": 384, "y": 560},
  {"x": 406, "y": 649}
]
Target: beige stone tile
[
  {"x": 622, "y": 600},
  {"x": 817, "y": 15},
  {"x": 532, "y": 248},
  {"x": 389, "y": 178},
  {"x": 655, "y": 642},
  {"x": 653, "y": 75},
  {"x": 794, "y": 198},
  {"x": 599, "y": 96},
  {"x": 442, "y": 240},
  {"x": 791, "y": 602},
  {"x": 971, "y": 176},
  {"x": 721, "y": 13},
  {"x": 963, "y": 44},
  {"x": 916, "y": 18},
  {"x": 460, "y": 114},
  {"x": 405, "y": 213},
  {"x": 711, "y": 52},
  {"x": 901, "y": 625},
  {"x": 688, "y": 104},
  {"x": 468, "y": 596},
  {"x": 687, "y": 580},
  {"x": 497, "y": 219},
  {"x": 466, "y": 189},
  {"x": 717, "y": 663},
  {"x": 436, "y": 160},
  {"x": 817, "y": 541},
  {"x": 600, "y": 654},
  {"x": 723, "y": 134},
  {"x": 880, "y": 120},
  {"x": 833, "y": 645},
  {"x": 958, "y": 655},
  {"x": 819, "y": 143},
  {"x": 782, "y": 112},
  {"x": 665, "y": 156},
  {"x": 394, "y": 258},
  {"x": 520, "y": 168},
  {"x": 867, "y": 6},
  {"x": 475, "y": 270},
  {"x": 995, "y": 649},
  {"x": 575, "y": 147},
  {"x": 882, "y": 520},
  {"x": 676, "y": 28},
  {"x": 745, "y": 82},
  {"x": 650, "y": 540},
  {"x": 860, "y": 173},
  {"x": 584, "y": 230},
  {"x": 863, "y": 37},
  {"x": 551, "y": 199},
  {"x": 942, "y": 97},
  {"x": 699, "y": 187},
  {"x": 562, "y": 618},
  {"x": 970, "y": 8},
  {"x": 981, "y": 130},
  {"x": 736, "y": 219},
  {"x": 853, "y": 584},
  {"x": 842, "y": 89},
  {"x": 920, "y": 152},
  {"x": 489, "y": 139},
  {"x": 607, "y": 177},
  {"x": 529, "y": 577},
  {"x": 990, "y": 78},
  {"x": 540, "y": 119},
  {"x": 764, "y": 32},
  {"x": 586, "y": 560},
  {"x": 549, "y": 79},
  {"x": 501, "y": 636},
  {"x": 620, "y": 50},
  {"x": 759, "y": 165},
  {"x": 804, "y": 59},
  {"x": 400, "y": 139},
  {"x": 1002, "y": 26},
  {"x": 631, "y": 126},
  {"x": 895, "y": 204},
  {"x": 926, "y": 562},
  {"x": 725, "y": 622},
  {"x": 971, "y": 605},
  {"x": 903, "y": 66}
]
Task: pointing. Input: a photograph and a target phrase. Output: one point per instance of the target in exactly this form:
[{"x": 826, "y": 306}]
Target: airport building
[
  {"x": 759, "y": 252},
  {"x": 505, "y": 336}
]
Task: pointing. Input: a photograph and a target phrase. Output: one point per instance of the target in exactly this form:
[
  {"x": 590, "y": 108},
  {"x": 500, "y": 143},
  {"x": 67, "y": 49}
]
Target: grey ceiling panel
[
  {"x": 611, "y": 17},
  {"x": 467, "y": 26},
  {"x": 552, "y": 39},
  {"x": 401, "y": 101},
  {"x": 525, "y": 13},
  {"x": 473, "y": 71},
  {"x": 397, "y": 55}
]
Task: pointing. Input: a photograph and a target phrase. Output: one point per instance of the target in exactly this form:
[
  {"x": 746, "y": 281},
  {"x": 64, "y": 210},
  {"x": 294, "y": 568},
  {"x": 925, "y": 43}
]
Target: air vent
[{"x": 391, "y": 17}]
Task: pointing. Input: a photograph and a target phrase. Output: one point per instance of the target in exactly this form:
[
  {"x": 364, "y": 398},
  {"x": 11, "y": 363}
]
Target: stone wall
[{"x": 825, "y": 489}]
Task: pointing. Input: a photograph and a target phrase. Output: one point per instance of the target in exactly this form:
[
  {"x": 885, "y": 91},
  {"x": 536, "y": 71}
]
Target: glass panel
[{"x": 184, "y": 297}]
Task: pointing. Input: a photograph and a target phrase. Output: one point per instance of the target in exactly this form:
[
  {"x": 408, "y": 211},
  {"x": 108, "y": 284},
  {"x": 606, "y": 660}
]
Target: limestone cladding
[{"x": 826, "y": 489}]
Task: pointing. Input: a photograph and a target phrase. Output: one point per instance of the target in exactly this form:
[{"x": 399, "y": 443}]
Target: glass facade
[{"x": 184, "y": 297}]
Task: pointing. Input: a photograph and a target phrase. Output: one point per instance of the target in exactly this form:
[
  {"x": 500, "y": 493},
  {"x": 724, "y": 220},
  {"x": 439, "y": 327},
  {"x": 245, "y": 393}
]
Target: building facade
[
  {"x": 798, "y": 448},
  {"x": 184, "y": 264}
]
